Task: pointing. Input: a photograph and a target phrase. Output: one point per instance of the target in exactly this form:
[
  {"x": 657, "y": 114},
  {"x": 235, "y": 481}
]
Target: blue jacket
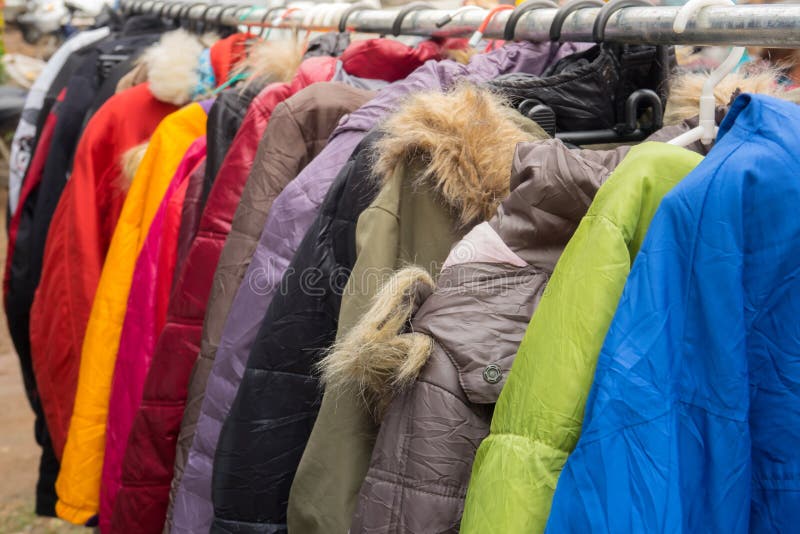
[{"x": 693, "y": 420}]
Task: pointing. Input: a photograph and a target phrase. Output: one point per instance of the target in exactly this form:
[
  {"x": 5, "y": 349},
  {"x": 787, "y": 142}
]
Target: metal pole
[{"x": 752, "y": 25}]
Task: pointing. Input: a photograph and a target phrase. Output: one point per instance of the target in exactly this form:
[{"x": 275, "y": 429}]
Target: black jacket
[
  {"x": 588, "y": 90},
  {"x": 271, "y": 419},
  {"x": 224, "y": 119}
]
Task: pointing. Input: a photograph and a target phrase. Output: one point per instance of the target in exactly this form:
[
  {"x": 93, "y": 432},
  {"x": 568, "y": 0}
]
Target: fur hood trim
[
  {"x": 379, "y": 357},
  {"x": 465, "y": 139},
  {"x": 685, "y": 89},
  {"x": 172, "y": 66},
  {"x": 275, "y": 61},
  {"x": 129, "y": 164}
]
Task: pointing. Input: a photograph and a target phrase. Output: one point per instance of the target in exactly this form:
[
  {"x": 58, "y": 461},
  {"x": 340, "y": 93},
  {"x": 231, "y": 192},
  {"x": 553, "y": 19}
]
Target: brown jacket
[
  {"x": 444, "y": 165},
  {"x": 298, "y": 130}
]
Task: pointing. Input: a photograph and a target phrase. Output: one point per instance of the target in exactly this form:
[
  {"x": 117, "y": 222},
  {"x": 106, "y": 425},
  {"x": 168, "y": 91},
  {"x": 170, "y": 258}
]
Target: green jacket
[
  {"x": 445, "y": 164},
  {"x": 537, "y": 420}
]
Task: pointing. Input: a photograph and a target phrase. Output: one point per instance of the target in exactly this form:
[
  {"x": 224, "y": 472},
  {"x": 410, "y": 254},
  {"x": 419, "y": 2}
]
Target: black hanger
[
  {"x": 565, "y": 11},
  {"x": 528, "y": 5},
  {"x": 349, "y": 11},
  {"x": 601, "y": 21},
  {"x": 628, "y": 132},
  {"x": 397, "y": 25},
  {"x": 220, "y": 25}
]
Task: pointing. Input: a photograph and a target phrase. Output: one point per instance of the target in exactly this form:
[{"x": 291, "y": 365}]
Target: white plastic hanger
[{"x": 706, "y": 132}]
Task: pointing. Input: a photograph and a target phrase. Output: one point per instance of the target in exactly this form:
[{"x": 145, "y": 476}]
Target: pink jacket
[{"x": 144, "y": 319}]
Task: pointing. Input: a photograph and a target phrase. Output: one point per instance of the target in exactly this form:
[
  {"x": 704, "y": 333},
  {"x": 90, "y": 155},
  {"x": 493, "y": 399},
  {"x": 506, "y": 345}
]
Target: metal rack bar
[{"x": 751, "y": 25}]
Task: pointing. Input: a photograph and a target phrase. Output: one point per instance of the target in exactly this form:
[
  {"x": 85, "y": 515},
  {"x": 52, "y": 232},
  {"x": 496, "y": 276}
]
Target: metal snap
[{"x": 492, "y": 373}]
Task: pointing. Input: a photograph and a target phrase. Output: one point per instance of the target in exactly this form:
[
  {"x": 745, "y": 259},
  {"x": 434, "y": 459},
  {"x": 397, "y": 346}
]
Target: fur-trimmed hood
[
  {"x": 172, "y": 65},
  {"x": 683, "y": 103},
  {"x": 465, "y": 141},
  {"x": 379, "y": 356}
]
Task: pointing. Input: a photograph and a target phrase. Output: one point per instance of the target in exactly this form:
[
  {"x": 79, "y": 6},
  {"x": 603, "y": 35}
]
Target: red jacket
[
  {"x": 76, "y": 246},
  {"x": 148, "y": 466}
]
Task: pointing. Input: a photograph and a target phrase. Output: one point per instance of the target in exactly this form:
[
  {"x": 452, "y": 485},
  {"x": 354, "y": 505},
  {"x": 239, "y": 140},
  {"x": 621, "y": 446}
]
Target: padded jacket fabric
[
  {"x": 149, "y": 458},
  {"x": 322, "y": 500},
  {"x": 298, "y": 130},
  {"x": 536, "y": 422},
  {"x": 692, "y": 421},
  {"x": 224, "y": 121},
  {"x": 418, "y": 474},
  {"x": 76, "y": 245},
  {"x": 78, "y": 483},
  {"x": 144, "y": 318},
  {"x": 362, "y": 62},
  {"x": 191, "y": 211},
  {"x": 284, "y": 352},
  {"x": 589, "y": 90}
]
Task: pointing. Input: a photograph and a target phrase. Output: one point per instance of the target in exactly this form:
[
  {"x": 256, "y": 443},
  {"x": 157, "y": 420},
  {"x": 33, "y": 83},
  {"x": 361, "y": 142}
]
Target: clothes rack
[{"x": 753, "y": 25}]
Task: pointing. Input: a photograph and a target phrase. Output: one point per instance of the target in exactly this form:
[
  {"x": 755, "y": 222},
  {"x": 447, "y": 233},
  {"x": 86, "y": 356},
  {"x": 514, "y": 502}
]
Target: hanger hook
[
  {"x": 202, "y": 21},
  {"x": 601, "y": 21},
  {"x": 478, "y": 35},
  {"x": 221, "y": 14},
  {"x": 447, "y": 19},
  {"x": 349, "y": 11},
  {"x": 264, "y": 24},
  {"x": 706, "y": 131},
  {"x": 195, "y": 24},
  {"x": 528, "y": 5},
  {"x": 565, "y": 11},
  {"x": 397, "y": 25}
]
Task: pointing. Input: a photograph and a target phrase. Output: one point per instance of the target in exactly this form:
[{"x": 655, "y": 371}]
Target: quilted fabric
[
  {"x": 76, "y": 245},
  {"x": 144, "y": 319},
  {"x": 78, "y": 484},
  {"x": 298, "y": 130},
  {"x": 149, "y": 458},
  {"x": 537, "y": 419},
  {"x": 693, "y": 421}
]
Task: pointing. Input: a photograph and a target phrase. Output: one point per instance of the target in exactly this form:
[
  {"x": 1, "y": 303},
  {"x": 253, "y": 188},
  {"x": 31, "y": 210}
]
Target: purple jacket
[{"x": 295, "y": 209}]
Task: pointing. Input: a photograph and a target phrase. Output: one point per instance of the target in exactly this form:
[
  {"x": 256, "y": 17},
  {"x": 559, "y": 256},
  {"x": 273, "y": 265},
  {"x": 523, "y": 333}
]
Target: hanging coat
[
  {"x": 78, "y": 483},
  {"x": 149, "y": 457},
  {"x": 322, "y": 499},
  {"x": 144, "y": 318},
  {"x": 79, "y": 234},
  {"x": 84, "y": 220},
  {"x": 299, "y": 128},
  {"x": 358, "y": 64},
  {"x": 151, "y": 453},
  {"x": 300, "y": 324},
  {"x": 537, "y": 419},
  {"x": 465, "y": 336},
  {"x": 691, "y": 423}
]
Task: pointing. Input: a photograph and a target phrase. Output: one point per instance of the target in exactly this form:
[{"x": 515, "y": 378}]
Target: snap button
[{"x": 492, "y": 373}]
